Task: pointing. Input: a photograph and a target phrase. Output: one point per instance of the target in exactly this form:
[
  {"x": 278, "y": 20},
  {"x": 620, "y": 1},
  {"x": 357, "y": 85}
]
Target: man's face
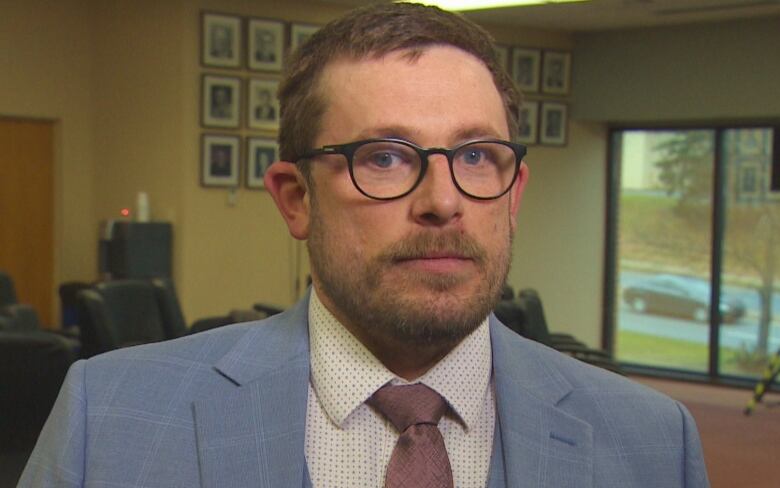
[{"x": 428, "y": 267}]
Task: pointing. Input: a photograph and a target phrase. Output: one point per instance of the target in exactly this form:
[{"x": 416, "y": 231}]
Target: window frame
[{"x": 718, "y": 224}]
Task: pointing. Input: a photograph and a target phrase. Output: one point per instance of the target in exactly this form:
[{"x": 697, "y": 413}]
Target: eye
[
  {"x": 474, "y": 156},
  {"x": 383, "y": 156},
  {"x": 383, "y": 159}
]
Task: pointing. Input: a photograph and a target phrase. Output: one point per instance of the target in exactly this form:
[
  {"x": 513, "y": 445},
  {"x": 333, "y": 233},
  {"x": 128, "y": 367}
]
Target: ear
[
  {"x": 288, "y": 188},
  {"x": 516, "y": 194}
]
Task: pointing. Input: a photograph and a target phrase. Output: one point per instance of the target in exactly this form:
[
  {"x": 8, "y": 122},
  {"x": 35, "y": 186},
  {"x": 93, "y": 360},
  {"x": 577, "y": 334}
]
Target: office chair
[
  {"x": 525, "y": 315},
  {"x": 7, "y": 290},
  {"x": 120, "y": 313},
  {"x": 173, "y": 321},
  {"x": 32, "y": 368},
  {"x": 21, "y": 318},
  {"x": 68, "y": 293}
]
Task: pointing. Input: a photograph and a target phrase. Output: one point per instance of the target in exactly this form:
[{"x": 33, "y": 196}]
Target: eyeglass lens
[{"x": 388, "y": 169}]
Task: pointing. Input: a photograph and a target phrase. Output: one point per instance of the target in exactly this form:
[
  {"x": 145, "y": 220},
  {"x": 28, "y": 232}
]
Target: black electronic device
[{"x": 135, "y": 250}]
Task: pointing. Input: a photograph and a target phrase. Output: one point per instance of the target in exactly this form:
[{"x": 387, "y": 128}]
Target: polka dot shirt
[{"x": 348, "y": 444}]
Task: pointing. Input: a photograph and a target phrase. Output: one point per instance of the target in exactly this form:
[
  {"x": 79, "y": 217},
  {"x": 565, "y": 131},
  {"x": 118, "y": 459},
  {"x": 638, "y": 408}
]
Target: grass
[
  {"x": 650, "y": 350},
  {"x": 647, "y": 349}
]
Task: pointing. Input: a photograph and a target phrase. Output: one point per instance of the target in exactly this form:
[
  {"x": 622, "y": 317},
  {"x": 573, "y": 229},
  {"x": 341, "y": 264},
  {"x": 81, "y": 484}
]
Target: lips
[
  {"x": 439, "y": 263},
  {"x": 436, "y": 256}
]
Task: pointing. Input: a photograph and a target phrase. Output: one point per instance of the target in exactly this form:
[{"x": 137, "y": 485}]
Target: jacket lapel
[
  {"x": 254, "y": 436},
  {"x": 542, "y": 445}
]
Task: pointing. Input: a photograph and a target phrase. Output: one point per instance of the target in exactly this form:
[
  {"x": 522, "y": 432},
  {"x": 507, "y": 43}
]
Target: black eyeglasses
[{"x": 385, "y": 169}]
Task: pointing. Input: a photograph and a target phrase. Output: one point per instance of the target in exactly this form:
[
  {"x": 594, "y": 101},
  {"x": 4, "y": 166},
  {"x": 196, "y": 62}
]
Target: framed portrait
[
  {"x": 219, "y": 160},
  {"x": 265, "y": 45},
  {"x": 554, "y": 123},
  {"x": 502, "y": 55},
  {"x": 556, "y": 72},
  {"x": 260, "y": 153},
  {"x": 525, "y": 68},
  {"x": 300, "y": 33},
  {"x": 528, "y": 121},
  {"x": 221, "y": 101},
  {"x": 263, "y": 106},
  {"x": 220, "y": 40}
]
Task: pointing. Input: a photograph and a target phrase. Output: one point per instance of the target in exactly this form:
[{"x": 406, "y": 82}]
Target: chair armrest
[{"x": 268, "y": 310}]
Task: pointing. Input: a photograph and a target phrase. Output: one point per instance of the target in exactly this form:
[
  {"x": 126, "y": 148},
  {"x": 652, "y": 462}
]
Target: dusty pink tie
[{"x": 419, "y": 459}]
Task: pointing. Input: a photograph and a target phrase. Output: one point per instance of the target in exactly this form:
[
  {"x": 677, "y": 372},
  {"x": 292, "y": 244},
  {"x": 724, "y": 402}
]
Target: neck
[{"x": 402, "y": 359}]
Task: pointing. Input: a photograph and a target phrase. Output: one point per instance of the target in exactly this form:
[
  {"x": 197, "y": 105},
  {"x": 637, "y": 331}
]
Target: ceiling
[{"x": 597, "y": 15}]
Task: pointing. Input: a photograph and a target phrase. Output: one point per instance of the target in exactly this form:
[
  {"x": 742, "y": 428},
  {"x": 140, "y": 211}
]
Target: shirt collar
[{"x": 344, "y": 373}]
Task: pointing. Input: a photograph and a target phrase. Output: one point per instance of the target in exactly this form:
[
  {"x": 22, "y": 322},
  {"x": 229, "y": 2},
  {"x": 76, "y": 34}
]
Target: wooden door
[{"x": 26, "y": 211}]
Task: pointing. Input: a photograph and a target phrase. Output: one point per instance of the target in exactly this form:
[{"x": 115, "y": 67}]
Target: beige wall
[
  {"x": 123, "y": 78},
  {"x": 559, "y": 245},
  {"x": 46, "y": 68},
  {"x": 230, "y": 256},
  {"x": 703, "y": 72}
]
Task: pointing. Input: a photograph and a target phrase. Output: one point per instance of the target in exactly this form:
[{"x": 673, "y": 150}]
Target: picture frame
[
  {"x": 221, "y": 101},
  {"x": 554, "y": 124},
  {"x": 526, "y": 66},
  {"x": 556, "y": 72},
  {"x": 265, "y": 44},
  {"x": 300, "y": 33},
  {"x": 220, "y": 156},
  {"x": 263, "y": 105},
  {"x": 528, "y": 122},
  {"x": 502, "y": 56},
  {"x": 260, "y": 153},
  {"x": 221, "y": 37}
]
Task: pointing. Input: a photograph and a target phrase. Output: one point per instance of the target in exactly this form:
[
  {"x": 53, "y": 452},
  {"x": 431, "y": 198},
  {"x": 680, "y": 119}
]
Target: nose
[{"x": 437, "y": 201}]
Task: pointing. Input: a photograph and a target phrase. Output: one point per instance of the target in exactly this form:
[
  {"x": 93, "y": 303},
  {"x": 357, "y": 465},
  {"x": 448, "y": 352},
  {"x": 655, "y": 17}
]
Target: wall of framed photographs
[
  {"x": 544, "y": 78},
  {"x": 241, "y": 59}
]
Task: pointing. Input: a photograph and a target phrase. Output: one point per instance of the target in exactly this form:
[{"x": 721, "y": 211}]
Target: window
[{"x": 693, "y": 250}]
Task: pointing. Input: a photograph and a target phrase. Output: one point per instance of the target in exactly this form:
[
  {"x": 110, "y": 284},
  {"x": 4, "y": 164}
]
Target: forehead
[{"x": 442, "y": 91}]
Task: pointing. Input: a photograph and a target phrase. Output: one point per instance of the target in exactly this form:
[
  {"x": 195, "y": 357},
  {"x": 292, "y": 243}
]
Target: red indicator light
[{"x": 125, "y": 212}]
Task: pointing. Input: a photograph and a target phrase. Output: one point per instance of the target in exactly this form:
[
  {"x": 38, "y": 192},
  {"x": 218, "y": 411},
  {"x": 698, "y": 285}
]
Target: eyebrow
[{"x": 463, "y": 134}]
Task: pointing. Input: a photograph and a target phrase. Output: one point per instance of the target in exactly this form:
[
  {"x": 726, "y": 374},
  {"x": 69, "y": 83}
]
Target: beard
[{"x": 419, "y": 308}]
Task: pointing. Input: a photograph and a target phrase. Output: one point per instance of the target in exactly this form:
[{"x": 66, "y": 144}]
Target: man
[
  {"x": 264, "y": 110},
  {"x": 221, "y": 42},
  {"x": 221, "y": 102},
  {"x": 220, "y": 160},
  {"x": 409, "y": 250},
  {"x": 265, "y": 46}
]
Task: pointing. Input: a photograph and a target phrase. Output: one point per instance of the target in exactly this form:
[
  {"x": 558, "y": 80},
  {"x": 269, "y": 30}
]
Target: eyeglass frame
[{"x": 348, "y": 151}]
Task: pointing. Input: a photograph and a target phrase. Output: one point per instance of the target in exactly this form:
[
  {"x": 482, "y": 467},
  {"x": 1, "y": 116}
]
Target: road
[
  {"x": 742, "y": 334},
  {"x": 732, "y": 335},
  {"x": 749, "y": 296}
]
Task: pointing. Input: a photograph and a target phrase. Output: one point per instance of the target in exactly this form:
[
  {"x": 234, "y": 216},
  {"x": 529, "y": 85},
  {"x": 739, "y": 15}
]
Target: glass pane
[
  {"x": 750, "y": 332},
  {"x": 663, "y": 249}
]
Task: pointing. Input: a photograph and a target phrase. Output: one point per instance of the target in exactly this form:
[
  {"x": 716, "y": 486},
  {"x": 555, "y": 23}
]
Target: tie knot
[{"x": 406, "y": 405}]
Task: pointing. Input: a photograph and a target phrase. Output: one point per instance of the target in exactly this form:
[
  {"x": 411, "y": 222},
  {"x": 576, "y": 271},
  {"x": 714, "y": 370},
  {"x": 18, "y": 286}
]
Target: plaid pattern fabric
[{"x": 420, "y": 458}]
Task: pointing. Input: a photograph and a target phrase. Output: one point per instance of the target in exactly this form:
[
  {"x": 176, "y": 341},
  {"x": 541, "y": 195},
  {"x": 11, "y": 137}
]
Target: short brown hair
[{"x": 375, "y": 31}]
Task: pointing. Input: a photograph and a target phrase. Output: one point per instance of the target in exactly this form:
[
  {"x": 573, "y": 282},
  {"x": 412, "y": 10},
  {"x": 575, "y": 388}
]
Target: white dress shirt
[{"x": 348, "y": 444}]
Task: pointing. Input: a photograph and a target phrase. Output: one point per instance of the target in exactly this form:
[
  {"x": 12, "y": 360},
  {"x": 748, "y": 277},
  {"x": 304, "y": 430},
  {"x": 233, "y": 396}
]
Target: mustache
[{"x": 426, "y": 244}]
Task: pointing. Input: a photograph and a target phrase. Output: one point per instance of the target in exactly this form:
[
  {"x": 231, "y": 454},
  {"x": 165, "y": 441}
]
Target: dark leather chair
[
  {"x": 21, "y": 318},
  {"x": 7, "y": 290},
  {"x": 120, "y": 313},
  {"x": 174, "y": 322},
  {"x": 170, "y": 308},
  {"x": 68, "y": 292},
  {"x": 33, "y": 365},
  {"x": 525, "y": 315}
]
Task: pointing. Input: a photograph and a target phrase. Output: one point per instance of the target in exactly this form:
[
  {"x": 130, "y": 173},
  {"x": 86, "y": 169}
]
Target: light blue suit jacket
[{"x": 227, "y": 408}]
